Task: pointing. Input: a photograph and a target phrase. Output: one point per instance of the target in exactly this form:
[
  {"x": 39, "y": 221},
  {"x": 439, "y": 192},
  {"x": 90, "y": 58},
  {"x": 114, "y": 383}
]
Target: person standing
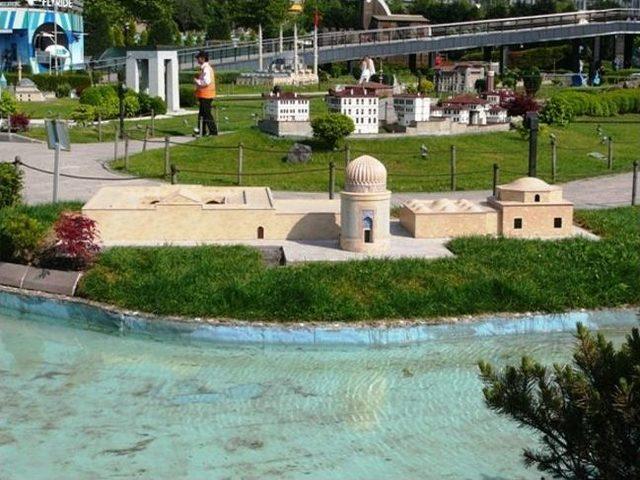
[
  {"x": 205, "y": 84},
  {"x": 365, "y": 73}
]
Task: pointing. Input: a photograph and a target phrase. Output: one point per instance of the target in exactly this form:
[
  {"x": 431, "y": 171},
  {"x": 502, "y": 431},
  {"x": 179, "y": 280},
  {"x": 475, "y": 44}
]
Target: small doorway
[
  {"x": 260, "y": 233},
  {"x": 367, "y": 224}
]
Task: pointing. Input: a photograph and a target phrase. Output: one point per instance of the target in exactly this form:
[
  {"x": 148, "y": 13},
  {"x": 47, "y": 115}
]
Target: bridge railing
[{"x": 248, "y": 50}]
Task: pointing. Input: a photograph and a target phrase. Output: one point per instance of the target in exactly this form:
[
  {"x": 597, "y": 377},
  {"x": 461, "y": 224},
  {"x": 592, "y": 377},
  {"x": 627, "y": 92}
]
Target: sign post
[{"x": 57, "y": 140}]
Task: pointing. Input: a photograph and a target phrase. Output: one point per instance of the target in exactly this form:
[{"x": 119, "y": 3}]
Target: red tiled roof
[
  {"x": 356, "y": 91},
  {"x": 465, "y": 100}
]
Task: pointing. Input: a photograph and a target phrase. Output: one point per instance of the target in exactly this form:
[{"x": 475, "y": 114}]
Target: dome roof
[
  {"x": 365, "y": 174},
  {"x": 529, "y": 184}
]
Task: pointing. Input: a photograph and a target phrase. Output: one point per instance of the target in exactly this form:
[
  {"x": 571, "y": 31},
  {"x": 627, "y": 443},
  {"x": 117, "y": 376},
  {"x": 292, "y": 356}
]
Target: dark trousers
[{"x": 205, "y": 118}]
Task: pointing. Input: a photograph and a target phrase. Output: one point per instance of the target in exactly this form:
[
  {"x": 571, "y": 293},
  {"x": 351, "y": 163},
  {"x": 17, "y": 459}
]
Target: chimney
[{"x": 491, "y": 81}]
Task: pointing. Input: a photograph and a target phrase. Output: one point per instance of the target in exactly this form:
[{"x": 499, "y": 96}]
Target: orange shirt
[{"x": 206, "y": 82}]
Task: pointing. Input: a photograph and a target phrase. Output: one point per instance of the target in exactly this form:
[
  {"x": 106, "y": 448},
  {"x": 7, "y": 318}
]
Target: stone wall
[
  {"x": 448, "y": 224},
  {"x": 286, "y": 129}
]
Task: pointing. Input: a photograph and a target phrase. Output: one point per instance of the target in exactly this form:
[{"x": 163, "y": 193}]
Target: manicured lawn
[
  {"x": 488, "y": 275},
  {"x": 203, "y": 161},
  {"x": 58, "y": 107}
]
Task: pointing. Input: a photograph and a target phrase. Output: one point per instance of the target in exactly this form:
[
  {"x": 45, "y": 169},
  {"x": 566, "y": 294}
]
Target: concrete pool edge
[{"x": 398, "y": 332}]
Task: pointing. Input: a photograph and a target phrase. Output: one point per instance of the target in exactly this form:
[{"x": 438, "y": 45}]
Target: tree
[
  {"x": 332, "y": 128},
  {"x": 268, "y": 13},
  {"x": 587, "y": 413},
  {"x": 532, "y": 80},
  {"x": 521, "y": 104},
  {"x": 163, "y": 31}
]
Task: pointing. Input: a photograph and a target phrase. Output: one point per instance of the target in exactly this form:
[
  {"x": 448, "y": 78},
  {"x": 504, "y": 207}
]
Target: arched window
[
  {"x": 260, "y": 233},
  {"x": 536, "y": 198},
  {"x": 367, "y": 224}
]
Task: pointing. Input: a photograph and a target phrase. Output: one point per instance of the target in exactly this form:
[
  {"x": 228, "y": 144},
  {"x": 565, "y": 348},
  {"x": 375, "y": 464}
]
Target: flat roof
[
  {"x": 307, "y": 206},
  {"x": 445, "y": 205},
  {"x": 152, "y": 197},
  {"x": 400, "y": 18}
]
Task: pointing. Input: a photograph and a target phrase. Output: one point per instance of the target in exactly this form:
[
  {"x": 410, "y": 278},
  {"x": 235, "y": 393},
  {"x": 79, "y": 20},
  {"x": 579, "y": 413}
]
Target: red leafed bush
[
  {"x": 19, "y": 122},
  {"x": 77, "y": 237},
  {"x": 521, "y": 104}
]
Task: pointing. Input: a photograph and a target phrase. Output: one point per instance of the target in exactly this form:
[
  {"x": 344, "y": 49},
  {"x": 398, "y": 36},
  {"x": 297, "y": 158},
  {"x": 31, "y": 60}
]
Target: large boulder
[{"x": 299, "y": 153}]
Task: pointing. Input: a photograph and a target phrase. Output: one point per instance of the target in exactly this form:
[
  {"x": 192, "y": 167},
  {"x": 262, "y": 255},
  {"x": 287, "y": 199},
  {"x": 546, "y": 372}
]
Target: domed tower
[{"x": 364, "y": 207}]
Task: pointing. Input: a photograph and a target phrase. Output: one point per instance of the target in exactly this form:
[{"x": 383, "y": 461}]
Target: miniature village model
[{"x": 358, "y": 222}]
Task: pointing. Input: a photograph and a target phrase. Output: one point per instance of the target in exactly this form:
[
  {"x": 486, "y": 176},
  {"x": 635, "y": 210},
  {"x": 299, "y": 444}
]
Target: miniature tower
[{"x": 364, "y": 207}]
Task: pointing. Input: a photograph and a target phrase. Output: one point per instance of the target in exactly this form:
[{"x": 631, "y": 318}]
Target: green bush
[
  {"x": 7, "y": 103},
  {"x": 150, "y": 104},
  {"x": 131, "y": 104},
  {"x": 103, "y": 98},
  {"x": 63, "y": 90},
  {"x": 332, "y": 128},
  {"x": 532, "y": 80},
  {"x": 556, "y": 111},
  {"x": 187, "y": 96},
  {"x": 601, "y": 103},
  {"x": 84, "y": 114},
  {"x": 11, "y": 183},
  {"x": 20, "y": 236}
]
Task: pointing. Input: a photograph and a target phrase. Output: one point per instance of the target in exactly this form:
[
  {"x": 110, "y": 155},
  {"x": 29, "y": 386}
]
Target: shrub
[
  {"x": 187, "y": 96},
  {"x": 20, "y": 236},
  {"x": 585, "y": 413},
  {"x": 532, "y": 80},
  {"x": 84, "y": 114},
  {"x": 19, "y": 122},
  {"x": 556, "y": 111},
  {"x": 7, "y": 103},
  {"x": 103, "y": 98},
  {"x": 150, "y": 104},
  {"x": 11, "y": 183},
  {"x": 323, "y": 77},
  {"x": 76, "y": 236},
  {"x": 131, "y": 104},
  {"x": 332, "y": 128},
  {"x": 425, "y": 86},
  {"x": 521, "y": 104},
  {"x": 63, "y": 90},
  {"x": 601, "y": 103}
]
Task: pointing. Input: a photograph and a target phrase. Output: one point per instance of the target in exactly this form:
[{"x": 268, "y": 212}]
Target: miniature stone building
[
  {"x": 358, "y": 103},
  {"x": 365, "y": 207},
  {"x": 531, "y": 208},
  {"x": 27, "y": 91},
  {"x": 193, "y": 214},
  {"x": 286, "y": 114},
  {"x": 525, "y": 208}
]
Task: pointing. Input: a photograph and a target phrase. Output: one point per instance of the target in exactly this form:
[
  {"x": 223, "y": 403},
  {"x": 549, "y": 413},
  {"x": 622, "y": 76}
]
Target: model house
[
  {"x": 467, "y": 109},
  {"x": 358, "y": 103},
  {"x": 412, "y": 108},
  {"x": 286, "y": 114},
  {"x": 458, "y": 78}
]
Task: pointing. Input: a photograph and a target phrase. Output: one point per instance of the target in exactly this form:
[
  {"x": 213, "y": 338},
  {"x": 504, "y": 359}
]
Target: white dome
[
  {"x": 365, "y": 174},
  {"x": 529, "y": 184}
]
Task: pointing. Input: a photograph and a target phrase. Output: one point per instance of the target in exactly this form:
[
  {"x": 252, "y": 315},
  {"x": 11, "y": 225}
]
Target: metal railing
[{"x": 248, "y": 50}]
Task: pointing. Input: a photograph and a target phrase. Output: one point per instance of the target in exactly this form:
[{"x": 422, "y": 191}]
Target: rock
[{"x": 299, "y": 153}]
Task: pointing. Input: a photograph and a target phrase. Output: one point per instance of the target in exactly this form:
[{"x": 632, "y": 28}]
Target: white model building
[
  {"x": 412, "y": 108},
  {"x": 358, "y": 103},
  {"x": 497, "y": 114},
  {"x": 286, "y": 107},
  {"x": 286, "y": 114},
  {"x": 466, "y": 109}
]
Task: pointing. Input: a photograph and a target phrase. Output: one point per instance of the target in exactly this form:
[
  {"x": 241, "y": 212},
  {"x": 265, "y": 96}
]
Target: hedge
[
  {"x": 221, "y": 77},
  {"x": 50, "y": 83},
  {"x": 106, "y": 104},
  {"x": 601, "y": 103}
]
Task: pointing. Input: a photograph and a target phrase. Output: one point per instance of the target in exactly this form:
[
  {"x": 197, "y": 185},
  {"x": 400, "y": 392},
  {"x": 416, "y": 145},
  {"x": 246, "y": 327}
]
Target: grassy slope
[
  {"x": 475, "y": 153},
  {"x": 50, "y": 109},
  {"x": 488, "y": 275}
]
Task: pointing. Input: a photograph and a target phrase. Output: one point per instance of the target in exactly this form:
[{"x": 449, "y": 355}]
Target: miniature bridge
[{"x": 355, "y": 44}]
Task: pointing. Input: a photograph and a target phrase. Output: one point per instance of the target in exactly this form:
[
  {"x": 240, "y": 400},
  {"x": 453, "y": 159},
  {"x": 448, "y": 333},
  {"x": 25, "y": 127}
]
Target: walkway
[{"x": 89, "y": 160}]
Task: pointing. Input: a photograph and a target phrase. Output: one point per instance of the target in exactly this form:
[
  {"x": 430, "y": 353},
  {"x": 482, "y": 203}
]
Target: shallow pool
[{"x": 88, "y": 403}]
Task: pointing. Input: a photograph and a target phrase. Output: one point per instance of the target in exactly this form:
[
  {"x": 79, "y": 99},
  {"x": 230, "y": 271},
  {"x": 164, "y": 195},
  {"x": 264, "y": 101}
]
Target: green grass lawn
[
  {"x": 59, "y": 107},
  {"x": 204, "y": 160},
  {"x": 487, "y": 275}
]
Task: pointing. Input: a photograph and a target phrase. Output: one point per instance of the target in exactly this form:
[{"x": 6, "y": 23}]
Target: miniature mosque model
[{"x": 358, "y": 222}]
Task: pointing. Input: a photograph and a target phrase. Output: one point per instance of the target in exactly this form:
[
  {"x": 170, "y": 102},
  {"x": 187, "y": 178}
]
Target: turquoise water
[{"x": 89, "y": 403}]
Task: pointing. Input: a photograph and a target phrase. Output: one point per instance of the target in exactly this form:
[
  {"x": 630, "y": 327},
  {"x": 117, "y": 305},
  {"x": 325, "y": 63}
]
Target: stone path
[
  {"x": 84, "y": 159},
  {"x": 89, "y": 160}
]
